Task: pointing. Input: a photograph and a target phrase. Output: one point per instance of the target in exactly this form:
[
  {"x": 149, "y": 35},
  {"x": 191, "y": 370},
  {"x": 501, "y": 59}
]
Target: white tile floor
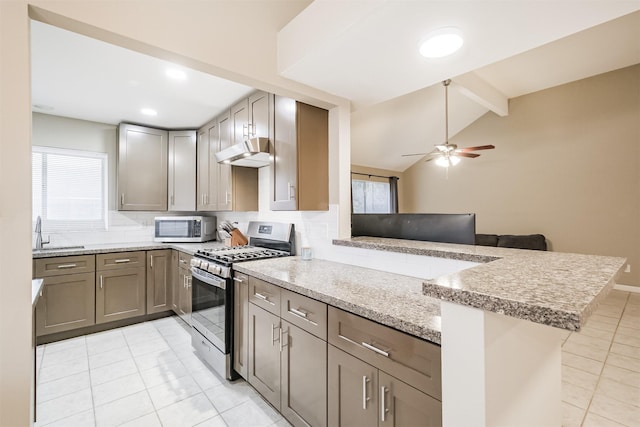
[
  {"x": 140, "y": 375},
  {"x": 147, "y": 375}
]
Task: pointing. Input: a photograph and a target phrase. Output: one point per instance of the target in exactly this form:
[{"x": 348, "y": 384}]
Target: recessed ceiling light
[
  {"x": 149, "y": 112},
  {"x": 176, "y": 74},
  {"x": 442, "y": 42}
]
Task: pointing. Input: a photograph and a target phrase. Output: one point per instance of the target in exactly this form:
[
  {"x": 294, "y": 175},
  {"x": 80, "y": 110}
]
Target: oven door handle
[{"x": 213, "y": 281}]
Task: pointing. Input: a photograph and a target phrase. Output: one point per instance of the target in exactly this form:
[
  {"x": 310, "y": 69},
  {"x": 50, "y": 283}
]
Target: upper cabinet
[
  {"x": 222, "y": 187},
  {"x": 299, "y": 156},
  {"x": 142, "y": 168},
  {"x": 182, "y": 173}
]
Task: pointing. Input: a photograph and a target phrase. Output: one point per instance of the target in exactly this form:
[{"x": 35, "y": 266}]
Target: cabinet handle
[
  {"x": 235, "y": 279},
  {"x": 262, "y": 297},
  {"x": 383, "y": 409},
  {"x": 101, "y": 281},
  {"x": 227, "y": 197},
  {"x": 67, "y": 265},
  {"x": 349, "y": 340},
  {"x": 365, "y": 398},
  {"x": 122, "y": 199},
  {"x": 151, "y": 261},
  {"x": 121, "y": 261},
  {"x": 184, "y": 282},
  {"x": 301, "y": 315},
  {"x": 282, "y": 339},
  {"x": 273, "y": 334},
  {"x": 298, "y": 313},
  {"x": 376, "y": 349},
  {"x": 245, "y": 131},
  {"x": 188, "y": 282},
  {"x": 292, "y": 191}
]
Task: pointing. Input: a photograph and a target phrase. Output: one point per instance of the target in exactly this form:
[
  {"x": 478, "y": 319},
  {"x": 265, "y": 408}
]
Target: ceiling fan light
[
  {"x": 442, "y": 161},
  {"x": 454, "y": 160},
  {"x": 441, "y": 43}
]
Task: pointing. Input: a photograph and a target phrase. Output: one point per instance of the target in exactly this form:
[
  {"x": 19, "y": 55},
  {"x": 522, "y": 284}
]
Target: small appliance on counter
[
  {"x": 185, "y": 229},
  {"x": 212, "y": 289}
]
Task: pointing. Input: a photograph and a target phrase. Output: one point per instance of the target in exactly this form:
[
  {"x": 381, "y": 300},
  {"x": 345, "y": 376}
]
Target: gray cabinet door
[
  {"x": 158, "y": 281},
  {"x": 176, "y": 282},
  {"x": 404, "y": 406},
  {"x": 284, "y": 163},
  {"x": 264, "y": 354},
  {"x": 352, "y": 391},
  {"x": 202, "y": 169},
  {"x": 225, "y": 125},
  {"x": 182, "y": 174},
  {"x": 304, "y": 377},
  {"x": 142, "y": 168},
  {"x": 67, "y": 302},
  {"x": 120, "y": 294},
  {"x": 241, "y": 323},
  {"x": 259, "y": 113}
]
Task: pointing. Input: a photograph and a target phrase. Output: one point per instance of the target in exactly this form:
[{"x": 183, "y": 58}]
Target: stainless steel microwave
[{"x": 185, "y": 228}]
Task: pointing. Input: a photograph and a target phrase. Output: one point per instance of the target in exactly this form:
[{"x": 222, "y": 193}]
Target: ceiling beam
[{"x": 483, "y": 93}]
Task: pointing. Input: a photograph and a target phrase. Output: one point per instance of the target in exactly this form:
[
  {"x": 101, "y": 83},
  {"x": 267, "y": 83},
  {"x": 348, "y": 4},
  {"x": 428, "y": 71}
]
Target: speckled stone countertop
[
  {"x": 390, "y": 299},
  {"x": 551, "y": 288},
  {"x": 189, "y": 248}
]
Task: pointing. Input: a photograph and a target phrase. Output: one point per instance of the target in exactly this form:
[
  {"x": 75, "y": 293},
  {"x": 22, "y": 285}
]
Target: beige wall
[
  {"x": 402, "y": 202},
  {"x": 16, "y": 362},
  {"x": 566, "y": 164}
]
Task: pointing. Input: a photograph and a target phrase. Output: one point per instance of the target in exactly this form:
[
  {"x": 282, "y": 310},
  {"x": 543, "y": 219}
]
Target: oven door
[{"x": 210, "y": 302}]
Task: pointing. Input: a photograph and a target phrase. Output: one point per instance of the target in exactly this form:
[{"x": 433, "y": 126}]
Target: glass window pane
[{"x": 370, "y": 196}]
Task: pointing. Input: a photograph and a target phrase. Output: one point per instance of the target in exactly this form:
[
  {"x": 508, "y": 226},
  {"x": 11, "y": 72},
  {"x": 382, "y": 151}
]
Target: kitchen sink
[{"x": 58, "y": 248}]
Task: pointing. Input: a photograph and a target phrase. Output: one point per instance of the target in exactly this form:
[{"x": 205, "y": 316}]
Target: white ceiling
[
  {"x": 88, "y": 79},
  {"x": 365, "y": 51}
]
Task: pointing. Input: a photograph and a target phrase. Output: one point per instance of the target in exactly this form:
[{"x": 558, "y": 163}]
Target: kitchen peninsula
[{"x": 500, "y": 357}]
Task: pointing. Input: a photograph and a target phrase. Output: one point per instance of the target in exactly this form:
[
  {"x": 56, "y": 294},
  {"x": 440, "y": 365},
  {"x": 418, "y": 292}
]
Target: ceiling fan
[{"x": 449, "y": 154}]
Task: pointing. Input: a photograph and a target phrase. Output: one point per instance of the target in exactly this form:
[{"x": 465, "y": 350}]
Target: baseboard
[{"x": 627, "y": 288}]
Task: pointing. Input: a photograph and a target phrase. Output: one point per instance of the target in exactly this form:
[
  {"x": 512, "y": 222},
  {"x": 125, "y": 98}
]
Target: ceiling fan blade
[
  {"x": 415, "y": 154},
  {"x": 479, "y": 147},
  {"x": 471, "y": 155}
]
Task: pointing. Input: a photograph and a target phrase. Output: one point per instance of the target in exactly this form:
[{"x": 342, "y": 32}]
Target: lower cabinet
[
  {"x": 159, "y": 278},
  {"x": 181, "y": 289},
  {"x": 68, "y": 294},
  {"x": 362, "y": 395},
  {"x": 67, "y": 302},
  {"x": 287, "y": 364},
  {"x": 120, "y": 289}
]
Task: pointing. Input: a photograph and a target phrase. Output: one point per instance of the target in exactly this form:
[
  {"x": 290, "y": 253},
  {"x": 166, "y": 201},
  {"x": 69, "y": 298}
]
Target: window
[
  {"x": 69, "y": 188},
  {"x": 374, "y": 195}
]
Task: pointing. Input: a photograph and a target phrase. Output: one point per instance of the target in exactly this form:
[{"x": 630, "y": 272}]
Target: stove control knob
[
  {"x": 195, "y": 262},
  {"x": 215, "y": 269},
  {"x": 204, "y": 265}
]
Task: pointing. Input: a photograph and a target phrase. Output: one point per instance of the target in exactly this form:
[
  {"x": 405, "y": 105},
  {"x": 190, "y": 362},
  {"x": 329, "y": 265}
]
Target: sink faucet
[{"x": 39, "y": 242}]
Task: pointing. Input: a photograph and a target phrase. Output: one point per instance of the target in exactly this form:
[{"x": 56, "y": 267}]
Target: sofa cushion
[
  {"x": 487, "y": 239},
  {"x": 533, "y": 241}
]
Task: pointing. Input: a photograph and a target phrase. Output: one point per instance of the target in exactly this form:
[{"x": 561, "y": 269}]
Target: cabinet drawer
[
  {"x": 304, "y": 312},
  {"x": 184, "y": 260},
  {"x": 117, "y": 260},
  {"x": 56, "y": 266},
  {"x": 264, "y": 295},
  {"x": 410, "y": 359}
]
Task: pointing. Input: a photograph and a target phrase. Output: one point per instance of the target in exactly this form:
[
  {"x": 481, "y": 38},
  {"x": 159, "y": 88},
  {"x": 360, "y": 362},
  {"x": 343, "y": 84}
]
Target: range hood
[{"x": 252, "y": 153}]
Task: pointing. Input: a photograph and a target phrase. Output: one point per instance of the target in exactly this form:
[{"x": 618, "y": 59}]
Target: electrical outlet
[{"x": 628, "y": 269}]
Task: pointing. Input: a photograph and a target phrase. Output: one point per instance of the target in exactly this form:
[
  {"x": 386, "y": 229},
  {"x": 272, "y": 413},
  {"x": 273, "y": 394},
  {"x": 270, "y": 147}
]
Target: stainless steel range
[{"x": 212, "y": 298}]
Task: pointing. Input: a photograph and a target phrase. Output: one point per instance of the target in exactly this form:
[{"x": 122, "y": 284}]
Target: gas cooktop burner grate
[{"x": 239, "y": 253}]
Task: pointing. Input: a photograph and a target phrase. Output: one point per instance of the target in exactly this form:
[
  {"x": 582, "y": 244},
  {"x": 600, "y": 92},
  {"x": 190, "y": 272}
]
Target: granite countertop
[
  {"x": 36, "y": 288},
  {"x": 551, "y": 288},
  {"x": 387, "y": 298},
  {"x": 189, "y": 248}
]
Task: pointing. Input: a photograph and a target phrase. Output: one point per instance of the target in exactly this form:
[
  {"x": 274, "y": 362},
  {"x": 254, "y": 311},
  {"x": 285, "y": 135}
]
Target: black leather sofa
[{"x": 535, "y": 242}]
